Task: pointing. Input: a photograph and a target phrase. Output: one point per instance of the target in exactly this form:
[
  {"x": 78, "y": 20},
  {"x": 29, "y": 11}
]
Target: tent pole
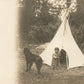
[{"x": 67, "y": 60}]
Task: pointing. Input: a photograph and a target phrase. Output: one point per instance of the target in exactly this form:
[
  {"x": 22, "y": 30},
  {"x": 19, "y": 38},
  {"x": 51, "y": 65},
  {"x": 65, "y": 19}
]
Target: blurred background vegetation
[{"x": 39, "y": 21}]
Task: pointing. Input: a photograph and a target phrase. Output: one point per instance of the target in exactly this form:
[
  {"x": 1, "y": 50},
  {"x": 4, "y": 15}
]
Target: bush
[{"x": 41, "y": 34}]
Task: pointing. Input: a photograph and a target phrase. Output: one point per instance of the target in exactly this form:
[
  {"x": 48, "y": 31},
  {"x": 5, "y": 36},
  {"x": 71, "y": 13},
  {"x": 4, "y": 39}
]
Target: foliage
[
  {"x": 35, "y": 17},
  {"x": 41, "y": 34},
  {"x": 77, "y": 23}
]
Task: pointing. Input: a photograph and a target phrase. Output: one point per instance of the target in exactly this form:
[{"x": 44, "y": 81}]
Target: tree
[
  {"x": 25, "y": 15},
  {"x": 44, "y": 16},
  {"x": 77, "y": 23},
  {"x": 78, "y": 17}
]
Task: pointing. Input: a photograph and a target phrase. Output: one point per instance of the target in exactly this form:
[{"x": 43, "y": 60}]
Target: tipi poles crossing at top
[{"x": 66, "y": 17}]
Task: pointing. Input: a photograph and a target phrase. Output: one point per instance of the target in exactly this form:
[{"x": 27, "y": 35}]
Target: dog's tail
[{"x": 41, "y": 59}]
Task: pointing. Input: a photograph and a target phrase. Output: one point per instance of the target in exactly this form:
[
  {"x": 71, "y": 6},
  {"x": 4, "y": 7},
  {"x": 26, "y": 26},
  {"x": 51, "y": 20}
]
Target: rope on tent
[{"x": 67, "y": 16}]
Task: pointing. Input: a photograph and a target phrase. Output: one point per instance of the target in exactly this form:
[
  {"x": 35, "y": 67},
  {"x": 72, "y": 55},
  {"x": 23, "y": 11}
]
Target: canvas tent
[{"x": 64, "y": 40}]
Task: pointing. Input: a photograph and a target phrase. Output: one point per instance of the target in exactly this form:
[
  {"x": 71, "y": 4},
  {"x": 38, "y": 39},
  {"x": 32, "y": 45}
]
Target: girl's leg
[
  {"x": 58, "y": 62},
  {"x": 53, "y": 65}
]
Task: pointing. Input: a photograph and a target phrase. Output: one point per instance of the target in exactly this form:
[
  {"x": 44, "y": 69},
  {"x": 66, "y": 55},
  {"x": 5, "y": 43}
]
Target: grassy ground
[{"x": 48, "y": 76}]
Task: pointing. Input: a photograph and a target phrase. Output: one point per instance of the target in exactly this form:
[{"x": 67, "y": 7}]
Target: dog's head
[{"x": 26, "y": 50}]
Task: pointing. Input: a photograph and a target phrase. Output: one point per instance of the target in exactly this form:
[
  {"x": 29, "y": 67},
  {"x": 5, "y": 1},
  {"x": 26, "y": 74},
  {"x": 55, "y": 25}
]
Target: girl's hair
[{"x": 56, "y": 48}]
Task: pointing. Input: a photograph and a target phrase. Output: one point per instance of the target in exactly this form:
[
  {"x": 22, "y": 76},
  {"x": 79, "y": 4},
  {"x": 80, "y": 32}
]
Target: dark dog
[{"x": 32, "y": 58}]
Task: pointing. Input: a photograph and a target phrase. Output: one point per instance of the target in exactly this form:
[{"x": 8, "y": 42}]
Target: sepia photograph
[
  {"x": 50, "y": 42},
  {"x": 43, "y": 42}
]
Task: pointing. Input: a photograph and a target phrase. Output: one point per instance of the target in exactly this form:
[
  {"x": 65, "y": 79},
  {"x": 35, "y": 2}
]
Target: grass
[{"x": 48, "y": 76}]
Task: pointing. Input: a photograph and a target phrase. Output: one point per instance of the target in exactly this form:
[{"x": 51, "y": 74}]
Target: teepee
[{"x": 64, "y": 40}]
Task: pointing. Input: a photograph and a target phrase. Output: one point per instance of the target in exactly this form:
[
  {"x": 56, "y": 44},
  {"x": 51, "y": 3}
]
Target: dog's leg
[
  {"x": 30, "y": 65},
  {"x": 38, "y": 67},
  {"x": 27, "y": 64}
]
